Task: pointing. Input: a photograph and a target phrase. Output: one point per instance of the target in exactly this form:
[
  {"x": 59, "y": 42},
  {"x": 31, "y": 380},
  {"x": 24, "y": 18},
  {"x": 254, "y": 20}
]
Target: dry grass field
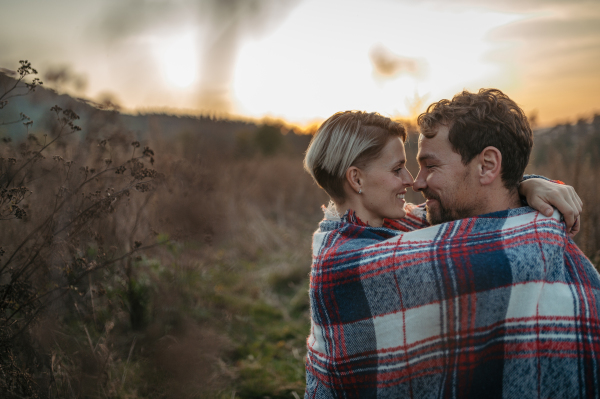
[{"x": 169, "y": 265}]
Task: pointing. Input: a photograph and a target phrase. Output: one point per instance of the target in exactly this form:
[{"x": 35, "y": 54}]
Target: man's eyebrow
[{"x": 426, "y": 157}]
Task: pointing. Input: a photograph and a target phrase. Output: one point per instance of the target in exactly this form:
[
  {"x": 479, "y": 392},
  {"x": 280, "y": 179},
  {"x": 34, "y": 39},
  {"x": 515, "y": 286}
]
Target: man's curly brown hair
[{"x": 479, "y": 120}]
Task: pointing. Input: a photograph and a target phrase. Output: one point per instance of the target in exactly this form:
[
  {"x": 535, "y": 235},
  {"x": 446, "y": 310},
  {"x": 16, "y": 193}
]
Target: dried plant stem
[
  {"x": 92, "y": 298},
  {"x": 127, "y": 363}
]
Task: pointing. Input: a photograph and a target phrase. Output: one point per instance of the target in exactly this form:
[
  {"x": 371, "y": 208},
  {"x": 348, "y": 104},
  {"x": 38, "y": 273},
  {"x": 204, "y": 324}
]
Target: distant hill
[
  {"x": 579, "y": 141},
  {"x": 577, "y": 131},
  {"x": 98, "y": 121},
  {"x": 244, "y": 138}
]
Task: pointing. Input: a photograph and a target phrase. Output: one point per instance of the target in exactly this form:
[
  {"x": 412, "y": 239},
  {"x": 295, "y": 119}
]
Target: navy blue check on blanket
[{"x": 502, "y": 305}]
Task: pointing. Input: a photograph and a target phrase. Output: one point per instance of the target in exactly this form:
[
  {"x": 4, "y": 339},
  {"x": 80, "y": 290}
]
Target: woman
[{"x": 358, "y": 158}]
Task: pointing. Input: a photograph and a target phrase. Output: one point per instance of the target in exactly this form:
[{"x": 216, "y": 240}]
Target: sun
[{"x": 179, "y": 60}]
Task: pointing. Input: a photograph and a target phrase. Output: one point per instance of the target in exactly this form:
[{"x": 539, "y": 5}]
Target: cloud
[
  {"x": 550, "y": 30},
  {"x": 388, "y": 65},
  {"x": 122, "y": 20},
  {"x": 509, "y": 5},
  {"x": 228, "y": 23},
  {"x": 557, "y": 54},
  {"x": 568, "y": 45},
  {"x": 220, "y": 25}
]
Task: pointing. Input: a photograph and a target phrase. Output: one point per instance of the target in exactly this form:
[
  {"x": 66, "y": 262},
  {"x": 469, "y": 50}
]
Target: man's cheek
[{"x": 432, "y": 208}]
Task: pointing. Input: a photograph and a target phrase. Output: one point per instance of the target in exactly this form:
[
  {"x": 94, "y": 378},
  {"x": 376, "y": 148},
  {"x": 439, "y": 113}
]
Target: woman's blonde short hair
[{"x": 350, "y": 138}]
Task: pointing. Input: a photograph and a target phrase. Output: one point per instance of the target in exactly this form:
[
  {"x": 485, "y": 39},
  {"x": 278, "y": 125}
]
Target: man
[
  {"x": 461, "y": 152},
  {"x": 498, "y": 304}
]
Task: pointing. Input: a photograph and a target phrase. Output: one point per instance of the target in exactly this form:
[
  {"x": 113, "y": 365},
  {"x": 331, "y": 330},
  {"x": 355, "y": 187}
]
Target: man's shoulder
[{"x": 510, "y": 221}]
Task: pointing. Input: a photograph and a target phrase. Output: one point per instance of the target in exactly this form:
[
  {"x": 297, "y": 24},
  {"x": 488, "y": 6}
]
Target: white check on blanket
[{"x": 501, "y": 305}]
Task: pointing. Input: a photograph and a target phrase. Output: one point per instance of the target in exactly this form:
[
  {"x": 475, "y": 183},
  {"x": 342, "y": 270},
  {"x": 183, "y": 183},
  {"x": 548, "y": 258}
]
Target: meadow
[{"x": 168, "y": 262}]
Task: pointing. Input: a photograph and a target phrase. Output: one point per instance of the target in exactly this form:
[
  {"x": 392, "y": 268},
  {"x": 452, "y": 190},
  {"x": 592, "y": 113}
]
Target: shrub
[{"x": 61, "y": 210}]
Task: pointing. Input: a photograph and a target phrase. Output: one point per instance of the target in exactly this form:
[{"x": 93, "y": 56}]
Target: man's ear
[
  {"x": 490, "y": 165},
  {"x": 353, "y": 177}
]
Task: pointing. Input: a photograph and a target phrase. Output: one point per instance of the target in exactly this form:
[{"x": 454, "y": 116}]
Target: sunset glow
[
  {"x": 179, "y": 60},
  {"x": 303, "y": 60}
]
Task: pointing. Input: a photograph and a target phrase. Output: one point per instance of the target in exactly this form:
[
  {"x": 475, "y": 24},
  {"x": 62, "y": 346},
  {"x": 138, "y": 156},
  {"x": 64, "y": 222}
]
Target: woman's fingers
[
  {"x": 577, "y": 200},
  {"x": 571, "y": 209},
  {"x": 542, "y": 205},
  {"x": 579, "y": 207},
  {"x": 575, "y": 229},
  {"x": 543, "y": 195}
]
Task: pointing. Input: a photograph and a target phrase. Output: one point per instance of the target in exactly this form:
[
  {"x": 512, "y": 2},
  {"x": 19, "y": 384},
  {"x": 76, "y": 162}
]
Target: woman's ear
[
  {"x": 490, "y": 165},
  {"x": 353, "y": 177}
]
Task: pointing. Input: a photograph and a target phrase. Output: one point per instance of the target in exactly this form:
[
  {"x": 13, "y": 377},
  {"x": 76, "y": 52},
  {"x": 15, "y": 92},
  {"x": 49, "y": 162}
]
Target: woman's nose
[
  {"x": 420, "y": 183},
  {"x": 408, "y": 179}
]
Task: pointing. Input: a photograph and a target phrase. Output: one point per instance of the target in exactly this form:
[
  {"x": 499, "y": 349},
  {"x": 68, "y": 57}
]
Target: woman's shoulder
[
  {"x": 415, "y": 218},
  {"x": 346, "y": 233}
]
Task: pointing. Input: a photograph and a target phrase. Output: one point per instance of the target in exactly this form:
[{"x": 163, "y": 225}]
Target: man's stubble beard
[
  {"x": 451, "y": 210},
  {"x": 445, "y": 213}
]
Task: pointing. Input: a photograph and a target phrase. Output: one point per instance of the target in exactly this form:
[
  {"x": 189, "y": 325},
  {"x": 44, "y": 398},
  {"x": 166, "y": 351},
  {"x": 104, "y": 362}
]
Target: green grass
[
  {"x": 258, "y": 307},
  {"x": 267, "y": 321}
]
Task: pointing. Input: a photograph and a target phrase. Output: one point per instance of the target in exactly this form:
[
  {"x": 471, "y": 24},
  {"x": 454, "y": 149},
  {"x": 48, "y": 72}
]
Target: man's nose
[{"x": 420, "y": 184}]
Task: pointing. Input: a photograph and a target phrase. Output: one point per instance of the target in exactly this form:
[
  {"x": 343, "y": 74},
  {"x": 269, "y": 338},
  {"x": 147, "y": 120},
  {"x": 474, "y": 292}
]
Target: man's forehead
[
  {"x": 432, "y": 147},
  {"x": 423, "y": 143}
]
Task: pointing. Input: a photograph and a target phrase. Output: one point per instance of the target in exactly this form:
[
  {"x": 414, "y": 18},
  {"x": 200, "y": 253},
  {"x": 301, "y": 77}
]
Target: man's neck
[{"x": 500, "y": 200}]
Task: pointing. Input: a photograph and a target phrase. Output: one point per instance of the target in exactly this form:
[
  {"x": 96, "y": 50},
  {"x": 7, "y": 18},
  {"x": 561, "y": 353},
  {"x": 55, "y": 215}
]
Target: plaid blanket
[{"x": 502, "y": 305}]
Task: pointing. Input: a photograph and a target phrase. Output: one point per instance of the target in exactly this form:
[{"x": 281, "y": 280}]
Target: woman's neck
[{"x": 364, "y": 215}]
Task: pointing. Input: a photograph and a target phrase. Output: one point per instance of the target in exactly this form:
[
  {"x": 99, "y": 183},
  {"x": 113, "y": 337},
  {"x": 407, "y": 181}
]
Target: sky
[{"x": 303, "y": 60}]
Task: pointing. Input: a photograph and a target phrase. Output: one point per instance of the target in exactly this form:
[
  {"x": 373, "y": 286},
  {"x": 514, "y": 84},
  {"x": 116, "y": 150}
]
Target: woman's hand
[{"x": 542, "y": 195}]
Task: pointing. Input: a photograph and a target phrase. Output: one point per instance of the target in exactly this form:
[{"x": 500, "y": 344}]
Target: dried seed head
[
  {"x": 19, "y": 212},
  {"x": 70, "y": 115},
  {"x": 148, "y": 152}
]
